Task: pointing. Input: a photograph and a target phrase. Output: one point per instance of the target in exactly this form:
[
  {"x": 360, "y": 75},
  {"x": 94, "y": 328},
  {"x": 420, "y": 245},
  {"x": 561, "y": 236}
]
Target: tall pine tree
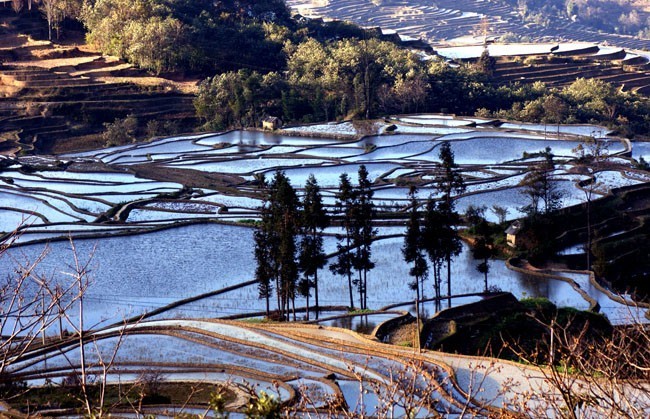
[
  {"x": 449, "y": 182},
  {"x": 275, "y": 242},
  {"x": 312, "y": 258},
  {"x": 364, "y": 233},
  {"x": 344, "y": 206},
  {"x": 413, "y": 252}
]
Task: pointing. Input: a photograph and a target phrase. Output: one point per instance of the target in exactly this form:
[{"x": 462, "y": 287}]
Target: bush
[{"x": 121, "y": 131}]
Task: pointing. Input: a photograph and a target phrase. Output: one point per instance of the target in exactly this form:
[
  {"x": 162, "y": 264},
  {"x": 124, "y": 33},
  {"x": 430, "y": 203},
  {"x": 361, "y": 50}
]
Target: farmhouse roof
[{"x": 514, "y": 228}]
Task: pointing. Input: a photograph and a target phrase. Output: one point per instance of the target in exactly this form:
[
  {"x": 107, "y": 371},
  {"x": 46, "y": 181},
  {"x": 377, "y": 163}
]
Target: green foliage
[
  {"x": 263, "y": 406},
  {"x": 188, "y": 35},
  {"x": 537, "y": 303},
  {"x": 217, "y": 403},
  {"x": 121, "y": 131},
  {"x": 237, "y": 99},
  {"x": 486, "y": 64}
]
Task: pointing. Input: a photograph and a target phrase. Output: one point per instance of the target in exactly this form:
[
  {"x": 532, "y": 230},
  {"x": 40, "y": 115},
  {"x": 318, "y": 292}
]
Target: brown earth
[{"x": 55, "y": 97}]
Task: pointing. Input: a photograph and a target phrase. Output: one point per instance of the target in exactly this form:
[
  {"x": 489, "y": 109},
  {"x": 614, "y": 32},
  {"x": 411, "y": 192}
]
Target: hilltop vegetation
[
  {"x": 201, "y": 36},
  {"x": 260, "y": 61}
]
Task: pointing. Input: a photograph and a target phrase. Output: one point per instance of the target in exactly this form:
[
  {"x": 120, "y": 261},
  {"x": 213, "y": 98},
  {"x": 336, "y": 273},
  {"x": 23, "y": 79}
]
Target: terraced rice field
[
  {"x": 458, "y": 21},
  {"x": 456, "y": 31},
  {"x": 182, "y": 271},
  {"x": 106, "y": 194}
]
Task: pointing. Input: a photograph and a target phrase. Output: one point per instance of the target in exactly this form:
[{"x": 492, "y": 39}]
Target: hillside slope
[{"x": 57, "y": 97}]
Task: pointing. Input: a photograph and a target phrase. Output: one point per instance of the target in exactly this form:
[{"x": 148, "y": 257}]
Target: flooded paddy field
[
  {"x": 105, "y": 203},
  {"x": 164, "y": 231}
]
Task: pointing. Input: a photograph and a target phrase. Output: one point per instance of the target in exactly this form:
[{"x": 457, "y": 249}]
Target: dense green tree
[
  {"x": 413, "y": 252},
  {"x": 449, "y": 182},
  {"x": 276, "y": 241},
  {"x": 352, "y": 77},
  {"x": 236, "y": 99},
  {"x": 363, "y": 232},
  {"x": 344, "y": 207},
  {"x": 486, "y": 64},
  {"x": 314, "y": 220}
]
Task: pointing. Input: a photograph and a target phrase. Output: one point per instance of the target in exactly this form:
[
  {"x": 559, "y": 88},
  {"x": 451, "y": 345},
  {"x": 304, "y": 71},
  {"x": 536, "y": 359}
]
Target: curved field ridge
[{"x": 309, "y": 368}]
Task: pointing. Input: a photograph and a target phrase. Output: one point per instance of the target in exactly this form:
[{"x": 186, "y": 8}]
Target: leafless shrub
[
  {"x": 17, "y": 5},
  {"x": 592, "y": 377}
]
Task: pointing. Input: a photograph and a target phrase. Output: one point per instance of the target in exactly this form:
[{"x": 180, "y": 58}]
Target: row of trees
[
  {"x": 289, "y": 242},
  {"x": 360, "y": 78},
  {"x": 433, "y": 233}
]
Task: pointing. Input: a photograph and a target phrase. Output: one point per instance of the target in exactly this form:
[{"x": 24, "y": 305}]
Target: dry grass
[
  {"x": 188, "y": 87},
  {"x": 9, "y": 41}
]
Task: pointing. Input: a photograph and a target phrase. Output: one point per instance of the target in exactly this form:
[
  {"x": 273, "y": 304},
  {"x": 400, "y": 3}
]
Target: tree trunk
[
  {"x": 268, "y": 308},
  {"x": 349, "y": 272},
  {"x": 361, "y": 306},
  {"x": 317, "y": 307},
  {"x": 365, "y": 288},
  {"x": 448, "y": 280},
  {"x": 350, "y": 289},
  {"x": 486, "y": 274},
  {"x": 417, "y": 319}
]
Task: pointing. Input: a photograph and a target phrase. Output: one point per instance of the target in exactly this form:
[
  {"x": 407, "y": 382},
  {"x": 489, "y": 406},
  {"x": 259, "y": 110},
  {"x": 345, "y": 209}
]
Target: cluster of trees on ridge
[
  {"x": 359, "y": 78},
  {"x": 261, "y": 61}
]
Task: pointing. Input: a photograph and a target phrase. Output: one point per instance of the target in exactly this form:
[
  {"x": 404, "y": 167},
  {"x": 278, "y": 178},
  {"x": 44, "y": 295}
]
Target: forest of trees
[
  {"x": 260, "y": 61},
  {"x": 334, "y": 81}
]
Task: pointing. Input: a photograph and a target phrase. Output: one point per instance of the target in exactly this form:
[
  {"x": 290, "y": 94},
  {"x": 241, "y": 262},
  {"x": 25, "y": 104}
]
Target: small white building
[
  {"x": 511, "y": 233},
  {"x": 271, "y": 123}
]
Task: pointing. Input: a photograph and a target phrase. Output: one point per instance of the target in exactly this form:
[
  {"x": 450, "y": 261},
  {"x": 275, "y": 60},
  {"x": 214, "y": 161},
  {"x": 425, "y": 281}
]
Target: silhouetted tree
[
  {"x": 312, "y": 258},
  {"x": 264, "y": 243},
  {"x": 276, "y": 241},
  {"x": 344, "y": 206},
  {"x": 433, "y": 243},
  {"x": 364, "y": 233},
  {"x": 413, "y": 252},
  {"x": 449, "y": 182}
]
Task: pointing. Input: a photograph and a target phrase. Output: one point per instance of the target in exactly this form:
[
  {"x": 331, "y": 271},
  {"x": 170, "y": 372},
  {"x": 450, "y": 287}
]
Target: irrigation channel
[{"x": 150, "y": 242}]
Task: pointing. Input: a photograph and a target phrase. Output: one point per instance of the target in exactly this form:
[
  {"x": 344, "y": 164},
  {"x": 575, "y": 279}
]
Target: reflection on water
[
  {"x": 134, "y": 274},
  {"x": 360, "y": 324}
]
